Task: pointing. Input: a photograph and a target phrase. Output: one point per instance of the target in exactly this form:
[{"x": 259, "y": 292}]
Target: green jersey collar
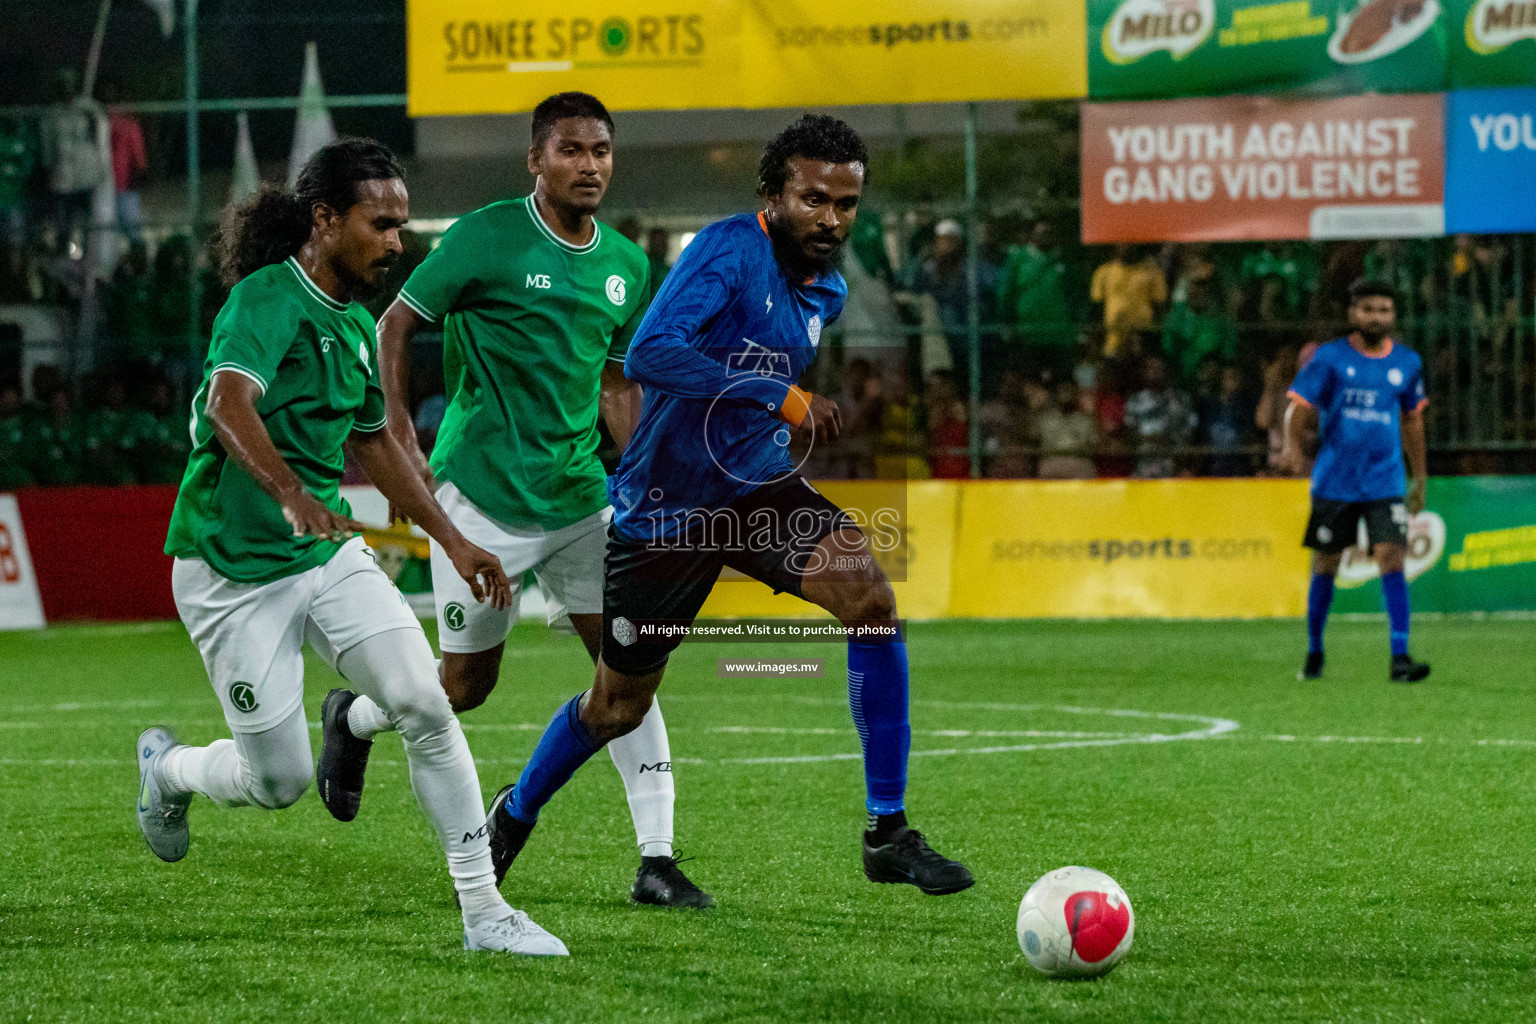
[
  {"x": 533, "y": 212},
  {"x": 314, "y": 289}
]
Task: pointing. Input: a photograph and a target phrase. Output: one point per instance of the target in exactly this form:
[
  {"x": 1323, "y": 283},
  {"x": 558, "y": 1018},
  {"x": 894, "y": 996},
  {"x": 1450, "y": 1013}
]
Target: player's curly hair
[
  {"x": 813, "y": 137},
  {"x": 275, "y": 223}
]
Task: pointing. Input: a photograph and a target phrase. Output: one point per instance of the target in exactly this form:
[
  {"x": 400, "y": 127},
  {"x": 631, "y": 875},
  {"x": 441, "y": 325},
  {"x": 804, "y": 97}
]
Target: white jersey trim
[
  {"x": 312, "y": 288},
  {"x": 242, "y": 371},
  {"x": 421, "y": 310},
  {"x": 534, "y": 215}
]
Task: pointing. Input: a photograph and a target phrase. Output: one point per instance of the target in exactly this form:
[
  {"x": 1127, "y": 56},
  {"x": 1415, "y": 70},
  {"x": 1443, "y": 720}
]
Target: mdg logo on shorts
[
  {"x": 624, "y": 631},
  {"x": 615, "y": 289},
  {"x": 453, "y": 616},
  {"x": 243, "y": 697}
]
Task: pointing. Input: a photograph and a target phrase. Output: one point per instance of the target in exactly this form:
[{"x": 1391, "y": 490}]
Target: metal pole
[
  {"x": 194, "y": 184},
  {"x": 973, "y": 286}
]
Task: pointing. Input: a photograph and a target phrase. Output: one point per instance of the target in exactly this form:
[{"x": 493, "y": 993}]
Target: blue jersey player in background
[
  {"x": 1365, "y": 393},
  {"x": 708, "y": 482}
]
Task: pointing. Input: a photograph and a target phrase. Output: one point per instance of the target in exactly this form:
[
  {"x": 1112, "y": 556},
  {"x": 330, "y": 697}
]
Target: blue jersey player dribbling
[
  {"x": 1365, "y": 392},
  {"x": 708, "y": 482}
]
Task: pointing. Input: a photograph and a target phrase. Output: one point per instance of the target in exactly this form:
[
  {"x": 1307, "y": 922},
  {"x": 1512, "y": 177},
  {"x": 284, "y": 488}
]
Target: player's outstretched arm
[
  {"x": 1300, "y": 419},
  {"x": 397, "y": 328},
  {"x": 391, "y": 471},
  {"x": 1418, "y": 459},
  {"x": 231, "y": 409}
]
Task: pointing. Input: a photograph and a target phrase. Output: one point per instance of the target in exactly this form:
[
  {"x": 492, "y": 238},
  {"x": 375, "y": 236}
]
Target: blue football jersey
[
  {"x": 1360, "y": 400},
  {"x": 726, "y": 336}
]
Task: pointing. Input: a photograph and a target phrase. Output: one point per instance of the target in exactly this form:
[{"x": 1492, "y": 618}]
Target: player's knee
[
  {"x": 420, "y": 712},
  {"x": 873, "y": 602},
  {"x": 620, "y": 715},
  {"x": 277, "y": 786},
  {"x": 1390, "y": 558},
  {"x": 468, "y": 688}
]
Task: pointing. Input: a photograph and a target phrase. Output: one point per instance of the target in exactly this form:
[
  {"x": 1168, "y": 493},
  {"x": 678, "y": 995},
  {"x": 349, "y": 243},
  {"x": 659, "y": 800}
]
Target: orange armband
[{"x": 795, "y": 407}]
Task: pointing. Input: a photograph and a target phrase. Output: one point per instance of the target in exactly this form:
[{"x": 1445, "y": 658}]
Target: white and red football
[{"x": 1075, "y": 923}]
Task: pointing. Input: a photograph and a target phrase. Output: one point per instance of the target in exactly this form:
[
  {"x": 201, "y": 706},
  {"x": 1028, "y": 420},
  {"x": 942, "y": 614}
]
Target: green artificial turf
[{"x": 1349, "y": 850}]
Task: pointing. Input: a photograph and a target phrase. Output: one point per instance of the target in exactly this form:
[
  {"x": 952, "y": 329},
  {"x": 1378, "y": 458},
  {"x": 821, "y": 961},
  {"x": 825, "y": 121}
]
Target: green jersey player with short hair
[{"x": 537, "y": 302}]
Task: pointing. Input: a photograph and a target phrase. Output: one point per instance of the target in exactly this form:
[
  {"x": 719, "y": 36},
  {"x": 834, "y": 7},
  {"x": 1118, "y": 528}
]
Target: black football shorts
[
  {"x": 1335, "y": 525},
  {"x": 769, "y": 534}
]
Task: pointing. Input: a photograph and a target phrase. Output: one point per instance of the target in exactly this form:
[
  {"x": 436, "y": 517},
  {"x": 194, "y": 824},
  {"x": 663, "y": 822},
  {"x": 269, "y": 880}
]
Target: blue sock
[
  {"x": 565, "y": 746},
  {"x": 877, "y": 696},
  {"x": 1394, "y": 589},
  {"x": 1319, "y": 597}
]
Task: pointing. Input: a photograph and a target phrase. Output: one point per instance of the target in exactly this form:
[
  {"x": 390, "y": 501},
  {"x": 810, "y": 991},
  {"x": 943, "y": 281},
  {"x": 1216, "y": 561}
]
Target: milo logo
[
  {"x": 1494, "y": 24},
  {"x": 1139, "y": 28}
]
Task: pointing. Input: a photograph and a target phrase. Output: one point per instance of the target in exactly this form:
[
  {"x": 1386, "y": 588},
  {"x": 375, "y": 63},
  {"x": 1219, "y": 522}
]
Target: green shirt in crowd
[
  {"x": 529, "y": 320},
  {"x": 313, "y": 358}
]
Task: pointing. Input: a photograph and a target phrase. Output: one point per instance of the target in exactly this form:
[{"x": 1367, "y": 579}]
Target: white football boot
[
  {"x": 515, "y": 933},
  {"x": 162, "y": 815}
]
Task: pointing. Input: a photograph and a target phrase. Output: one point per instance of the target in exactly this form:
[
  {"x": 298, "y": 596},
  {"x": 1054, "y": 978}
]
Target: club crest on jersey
[
  {"x": 813, "y": 329},
  {"x": 243, "y": 697},
  {"x": 616, "y": 289},
  {"x": 1395, "y": 377}
]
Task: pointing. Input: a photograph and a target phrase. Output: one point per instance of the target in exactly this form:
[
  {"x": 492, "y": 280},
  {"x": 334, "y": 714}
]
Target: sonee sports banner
[{"x": 485, "y": 57}]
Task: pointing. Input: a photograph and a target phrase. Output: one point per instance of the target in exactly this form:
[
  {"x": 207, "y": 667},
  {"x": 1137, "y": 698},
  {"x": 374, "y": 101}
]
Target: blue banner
[{"x": 1490, "y": 161}]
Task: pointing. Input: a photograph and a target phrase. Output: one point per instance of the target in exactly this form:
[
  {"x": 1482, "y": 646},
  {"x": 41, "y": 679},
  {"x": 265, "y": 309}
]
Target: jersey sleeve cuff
[
  {"x": 242, "y": 371},
  {"x": 421, "y": 310},
  {"x": 369, "y": 428},
  {"x": 1420, "y": 407},
  {"x": 1293, "y": 396}
]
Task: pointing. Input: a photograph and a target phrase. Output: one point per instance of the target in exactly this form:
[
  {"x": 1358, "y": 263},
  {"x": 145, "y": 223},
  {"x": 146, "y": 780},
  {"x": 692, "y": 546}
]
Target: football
[{"x": 1075, "y": 923}]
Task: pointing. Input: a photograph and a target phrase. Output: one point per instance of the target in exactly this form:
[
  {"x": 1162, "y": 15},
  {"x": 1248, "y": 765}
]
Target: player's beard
[
  {"x": 793, "y": 257},
  {"x": 1371, "y": 337},
  {"x": 369, "y": 286}
]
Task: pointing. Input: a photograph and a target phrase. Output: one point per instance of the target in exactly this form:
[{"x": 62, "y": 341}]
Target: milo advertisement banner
[
  {"x": 1147, "y": 49},
  {"x": 1493, "y": 42},
  {"x": 1473, "y": 548}
]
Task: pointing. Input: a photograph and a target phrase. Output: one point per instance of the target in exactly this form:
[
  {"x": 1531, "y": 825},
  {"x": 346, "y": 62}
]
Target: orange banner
[{"x": 1250, "y": 167}]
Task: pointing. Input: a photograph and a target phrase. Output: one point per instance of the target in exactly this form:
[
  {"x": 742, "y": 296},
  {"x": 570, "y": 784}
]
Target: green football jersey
[
  {"x": 313, "y": 358},
  {"x": 529, "y": 320}
]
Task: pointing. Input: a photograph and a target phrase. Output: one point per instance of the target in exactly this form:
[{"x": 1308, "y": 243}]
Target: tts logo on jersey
[{"x": 758, "y": 359}]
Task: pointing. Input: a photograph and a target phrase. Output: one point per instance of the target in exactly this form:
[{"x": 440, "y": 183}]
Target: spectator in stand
[
  {"x": 107, "y": 440},
  {"x": 13, "y": 439},
  {"x": 1198, "y": 329},
  {"x": 942, "y": 275},
  {"x": 862, "y": 404},
  {"x": 129, "y": 163},
  {"x": 1111, "y": 388},
  {"x": 948, "y": 432},
  {"x": 1280, "y": 279},
  {"x": 129, "y": 305},
  {"x": 74, "y": 163},
  {"x": 1226, "y": 425},
  {"x": 901, "y": 453},
  {"x": 161, "y": 442},
  {"x": 1032, "y": 299},
  {"x": 1067, "y": 437},
  {"x": 1161, "y": 420},
  {"x": 1131, "y": 288},
  {"x": 18, "y": 162},
  {"x": 55, "y": 442},
  {"x": 1005, "y": 430},
  {"x": 657, "y": 244}
]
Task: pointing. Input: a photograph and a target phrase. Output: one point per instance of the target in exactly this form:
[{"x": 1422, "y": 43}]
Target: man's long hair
[{"x": 275, "y": 223}]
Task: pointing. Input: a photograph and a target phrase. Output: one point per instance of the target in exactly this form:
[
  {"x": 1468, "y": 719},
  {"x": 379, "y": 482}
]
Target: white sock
[
  {"x": 644, "y": 761},
  {"x": 366, "y": 719},
  {"x": 262, "y": 769},
  {"x": 395, "y": 668}
]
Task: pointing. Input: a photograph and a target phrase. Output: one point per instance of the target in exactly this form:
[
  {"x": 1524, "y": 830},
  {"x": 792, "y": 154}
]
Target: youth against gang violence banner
[
  {"x": 488, "y": 57},
  {"x": 1248, "y": 167},
  {"x": 1490, "y": 160}
]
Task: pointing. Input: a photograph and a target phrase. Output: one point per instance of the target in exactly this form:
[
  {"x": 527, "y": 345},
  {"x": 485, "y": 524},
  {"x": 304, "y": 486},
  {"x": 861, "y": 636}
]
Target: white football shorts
[{"x": 568, "y": 563}]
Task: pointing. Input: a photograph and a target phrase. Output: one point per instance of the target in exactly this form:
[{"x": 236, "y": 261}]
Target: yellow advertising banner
[
  {"x": 1122, "y": 548},
  {"x": 1081, "y": 549},
  {"x": 489, "y": 57}
]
